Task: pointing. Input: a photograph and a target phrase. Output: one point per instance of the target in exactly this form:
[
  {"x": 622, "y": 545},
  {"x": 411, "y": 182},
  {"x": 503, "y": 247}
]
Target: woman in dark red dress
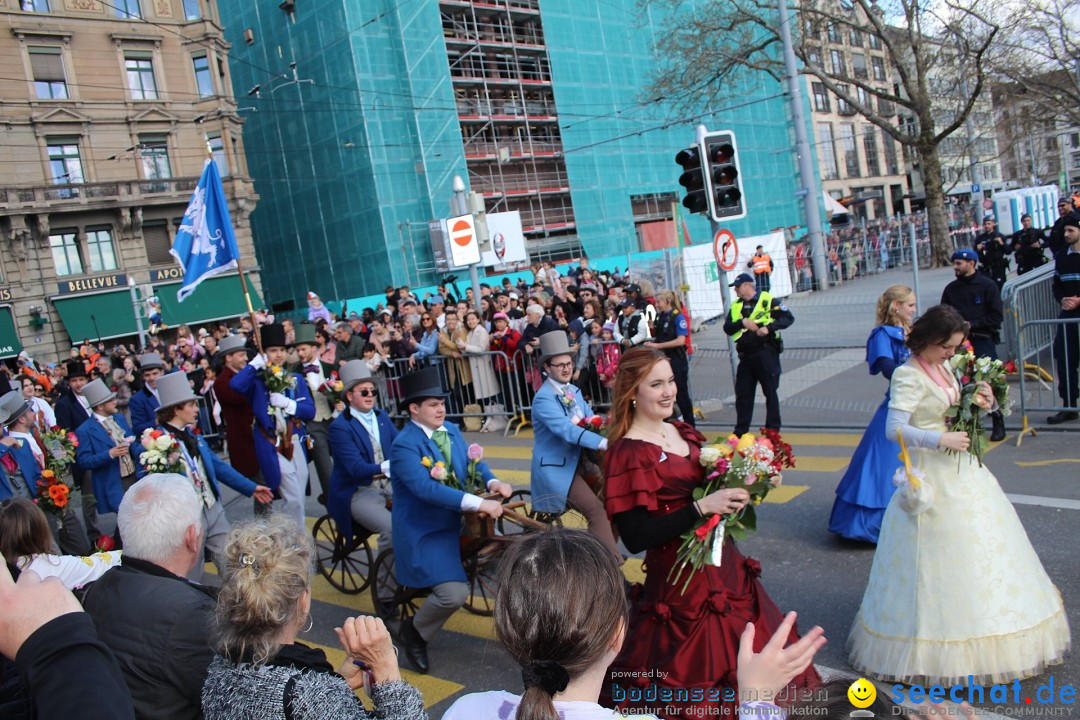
[{"x": 677, "y": 642}]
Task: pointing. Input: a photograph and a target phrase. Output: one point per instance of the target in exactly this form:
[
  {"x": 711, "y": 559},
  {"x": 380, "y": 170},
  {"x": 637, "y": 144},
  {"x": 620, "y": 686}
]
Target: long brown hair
[
  {"x": 559, "y": 606},
  {"x": 24, "y": 531},
  {"x": 633, "y": 367}
]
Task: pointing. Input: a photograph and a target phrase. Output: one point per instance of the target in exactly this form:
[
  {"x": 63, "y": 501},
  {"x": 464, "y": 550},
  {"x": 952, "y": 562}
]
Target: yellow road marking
[
  {"x": 633, "y": 570},
  {"x": 822, "y": 439},
  {"x": 1042, "y": 463},
  {"x": 810, "y": 463},
  {"x": 433, "y": 689},
  {"x": 507, "y": 453},
  {"x": 786, "y": 493}
]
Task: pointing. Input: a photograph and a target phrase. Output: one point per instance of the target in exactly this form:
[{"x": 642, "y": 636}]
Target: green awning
[
  {"x": 98, "y": 316},
  {"x": 9, "y": 336},
  {"x": 217, "y": 298}
]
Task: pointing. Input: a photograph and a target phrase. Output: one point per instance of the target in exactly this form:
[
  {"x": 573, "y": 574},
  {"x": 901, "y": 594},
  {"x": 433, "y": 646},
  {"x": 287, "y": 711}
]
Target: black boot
[
  {"x": 415, "y": 646},
  {"x": 998, "y": 433},
  {"x": 1063, "y": 416}
]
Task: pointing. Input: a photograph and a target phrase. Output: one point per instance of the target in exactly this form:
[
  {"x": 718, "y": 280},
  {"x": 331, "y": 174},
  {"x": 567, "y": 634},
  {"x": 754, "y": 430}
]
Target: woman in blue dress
[{"x": 864, "y": 493}]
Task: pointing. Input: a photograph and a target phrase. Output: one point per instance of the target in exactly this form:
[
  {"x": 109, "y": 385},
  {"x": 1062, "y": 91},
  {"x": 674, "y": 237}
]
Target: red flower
[
  {"x": 965, "y": 379},
  {"x": 156, "y": 434},
  {"x": 1010, "y": 367},
  {"x": 105, "y": 543},
  {"x": 753, "y": 567},
  {"x": 596, "y": 421}
]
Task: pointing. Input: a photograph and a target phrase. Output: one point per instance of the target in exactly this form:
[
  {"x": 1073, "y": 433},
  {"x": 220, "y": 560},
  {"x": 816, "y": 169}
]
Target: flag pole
[{"x": 240, "y": 271}]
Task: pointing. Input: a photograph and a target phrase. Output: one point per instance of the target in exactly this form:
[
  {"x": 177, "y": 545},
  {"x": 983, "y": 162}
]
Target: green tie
[{"x": 442, "y": 441}]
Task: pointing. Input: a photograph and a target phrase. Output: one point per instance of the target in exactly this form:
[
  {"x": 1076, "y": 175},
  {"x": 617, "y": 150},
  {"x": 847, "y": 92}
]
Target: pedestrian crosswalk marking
[
  {"x": 1041, "y": 463},
  {"x": 504, "y": 452},
  {"x": 813, "y": 463},
  {"x": 822, "y": 439},
  {"x": 785, "y": 493}
]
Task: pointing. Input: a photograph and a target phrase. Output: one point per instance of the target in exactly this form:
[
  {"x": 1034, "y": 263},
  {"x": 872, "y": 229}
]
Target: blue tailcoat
[
  {"x": 427, "y": 514},
  {"x": 218, "y": 471},
  {"x": 354, "y": 463},
  {"x": 24, "y": 456},
  {"x": 247, "y": 383},
  {"x": 93, "y": 455},
  {"x": 143, "y": 404},
  {"x": 557, "y": 446}
]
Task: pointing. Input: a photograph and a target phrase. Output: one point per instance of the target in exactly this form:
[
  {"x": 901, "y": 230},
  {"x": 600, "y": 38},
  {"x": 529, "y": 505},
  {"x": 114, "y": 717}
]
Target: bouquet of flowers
[
  {"x": 595, "y": 423},
  {"x": 53, "y": 495},
  {"x": 278, "y": 380},
  {"x": 59, "y": 449},
  {"x": 474, "y": 482},
  {"x": 440, "y": 472},
  {"x": 967, "y": 415},
  {"x": 161, "y": 453},
  {"x": 331, "y": 389},
  {"x": 751, "y": 462}
]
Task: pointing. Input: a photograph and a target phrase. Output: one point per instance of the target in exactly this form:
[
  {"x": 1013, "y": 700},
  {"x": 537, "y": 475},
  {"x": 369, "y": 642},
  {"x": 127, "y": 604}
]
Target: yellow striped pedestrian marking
[
  {"x": 785, "y": 493},
  {"x": 1042, "y": 463},
  {"x": 433, "y": 689},
  {"x": 812, "y": 463},
  {"x": 822, "y": 439},
  {"x": 505, "y": 452}
]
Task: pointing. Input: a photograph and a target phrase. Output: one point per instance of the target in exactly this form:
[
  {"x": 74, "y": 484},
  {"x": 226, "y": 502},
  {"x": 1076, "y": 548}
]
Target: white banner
[{"x": 703, "y": 276}]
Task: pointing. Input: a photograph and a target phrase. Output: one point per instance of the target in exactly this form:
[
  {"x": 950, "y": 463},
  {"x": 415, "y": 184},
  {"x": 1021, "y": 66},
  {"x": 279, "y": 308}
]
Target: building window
[
  {"x": 850, "y": 149},
  {"x": 204, "y": 79},
  {"x": 891, "y": 165},
  {"x": 813, "y": 58},
  {"x": 234, "y": 141},
  {"x": 854, "y": 37},
  {"x": 821, "y": 98},
  {"x": 65, "y": 253},
  {"x": 154, "y": 152},
  {"x": 140, "y": 76},
  {"x": 217, "y": 149},
  {"x": 99, "y": 249},
  {"x": 65, "y": 164},
  {"x": 156, "y": 240},
  {"x": 127, "y": 9},
  {"x": 827, "y": 152},
  {"x": 858, "y": 65},
  {"x": 838, "y": 66},
  {"x": 38, "y": 6},
  {"x": 873, "y": 166},
  {"x": 832, "y": 32},
  {"x": 843, "y": 106},
  {"x": 192, "y": 11},
  {"x": 878, "y": 64},
  {"x": 875, "y": 41},
  {"x": 865, "y": 98},
  {"x": 47, "y": 64}
]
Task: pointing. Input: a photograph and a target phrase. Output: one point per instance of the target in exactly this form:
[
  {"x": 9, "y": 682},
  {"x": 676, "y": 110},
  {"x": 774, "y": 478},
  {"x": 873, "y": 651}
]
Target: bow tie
[{"x": 312, "y": 368}]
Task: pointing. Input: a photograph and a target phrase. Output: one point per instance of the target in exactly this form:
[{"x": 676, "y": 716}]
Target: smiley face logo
[{"x": 862, "y": 693}]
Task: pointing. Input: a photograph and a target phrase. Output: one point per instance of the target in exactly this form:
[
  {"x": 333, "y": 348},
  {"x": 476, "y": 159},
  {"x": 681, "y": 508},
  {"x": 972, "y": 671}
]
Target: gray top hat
[
  {"x": 12, "y": 407},
  {"x": 150, "y": 361},
  {"x": 305, "y": 334},
  {"x": 353, "y": 373},
  {"x": 173, "y": 389},
  {"x": 232, "y": 344},
  {"x": 97, "y": 392},
  {"x": 554, "y": 343}
]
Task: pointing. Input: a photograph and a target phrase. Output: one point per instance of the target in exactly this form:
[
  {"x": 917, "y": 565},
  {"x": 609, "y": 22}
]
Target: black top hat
[
  {"x": 75, "y": 368},
  {"x": 421, "y": 385},
  {"x": 273, "y": 335}
]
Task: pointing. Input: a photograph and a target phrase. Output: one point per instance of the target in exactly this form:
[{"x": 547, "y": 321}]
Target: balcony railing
[
  {"x": 520, "y": 184},
  {"x": 516, "y": 148},
  {"x": 45, "y": 197}
]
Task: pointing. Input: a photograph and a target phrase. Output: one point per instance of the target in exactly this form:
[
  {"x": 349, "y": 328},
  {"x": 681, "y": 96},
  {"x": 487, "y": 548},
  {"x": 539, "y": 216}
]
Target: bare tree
[{"x": 938, "y": 50}]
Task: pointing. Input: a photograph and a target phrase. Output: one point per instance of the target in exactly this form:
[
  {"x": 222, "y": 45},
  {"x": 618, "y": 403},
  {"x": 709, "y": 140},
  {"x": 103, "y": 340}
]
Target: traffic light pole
[
  {"x": 811, "y": 189},
  {"x": 461, "y": 207}
]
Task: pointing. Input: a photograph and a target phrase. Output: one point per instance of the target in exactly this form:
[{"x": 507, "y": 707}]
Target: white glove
[
  {"x": 385, "y": 467},
  {"x": 603, "y": 444},
  {"x": 279, "y": 401},
  {"x": 258, "y": 362}
]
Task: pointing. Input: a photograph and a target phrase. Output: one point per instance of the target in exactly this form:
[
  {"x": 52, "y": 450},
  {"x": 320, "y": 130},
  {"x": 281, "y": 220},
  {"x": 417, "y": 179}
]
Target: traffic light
[
  {"x": 693, "y": 179},
  {"x": 724, "y": 183}
]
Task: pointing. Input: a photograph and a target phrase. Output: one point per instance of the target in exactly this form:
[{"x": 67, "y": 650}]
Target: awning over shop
[
  {"x": 214, "y": 299},
  {"x": 9, "y": 336},
  {"x": 98, "y": 316}
]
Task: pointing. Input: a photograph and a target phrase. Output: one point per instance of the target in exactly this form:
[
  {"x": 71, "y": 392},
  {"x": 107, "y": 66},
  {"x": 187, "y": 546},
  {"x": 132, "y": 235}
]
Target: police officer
[
  {"x": 978, "y": 300},
  {"x": 1057, "y": 233},
  {"x": 755, "y": 322},
  {"x": 669, "y": 335},
  {"x": 1027, "y": 245},
  {"x": 1067, "y": 339},
  {"x": 992, "y": 251}
]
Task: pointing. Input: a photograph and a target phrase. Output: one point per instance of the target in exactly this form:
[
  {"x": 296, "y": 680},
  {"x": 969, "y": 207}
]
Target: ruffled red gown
[{"x": 683, "y": 641}]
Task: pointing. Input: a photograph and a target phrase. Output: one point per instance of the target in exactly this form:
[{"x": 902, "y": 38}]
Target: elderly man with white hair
[
  {"x": 537, "y": 323},
  {"x": 153, "y": 619}
]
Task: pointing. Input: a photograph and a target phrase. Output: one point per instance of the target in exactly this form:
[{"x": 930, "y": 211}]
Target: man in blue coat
[
  {"x": 107, "y": 448},
  {"x": 427, "y": 512},
  {"x": 558, "y": 468},
  {"x": 279, "y": 434},
  {"x": 179, "y": 411},
  {"x": 145, "y": 402},
  {"x": 72, "y": 411},
  {"x": 360, "y": 440}
]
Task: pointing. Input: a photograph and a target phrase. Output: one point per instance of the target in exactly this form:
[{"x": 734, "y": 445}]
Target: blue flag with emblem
[{"x": 205, "y": 245}]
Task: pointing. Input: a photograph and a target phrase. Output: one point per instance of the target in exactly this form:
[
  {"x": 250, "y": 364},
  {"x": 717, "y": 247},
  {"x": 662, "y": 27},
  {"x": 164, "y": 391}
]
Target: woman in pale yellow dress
[{"x": 956, "y": 589}]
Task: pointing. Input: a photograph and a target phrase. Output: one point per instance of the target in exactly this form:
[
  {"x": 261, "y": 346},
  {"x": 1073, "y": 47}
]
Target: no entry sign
[{"x": 464, "y": 248}]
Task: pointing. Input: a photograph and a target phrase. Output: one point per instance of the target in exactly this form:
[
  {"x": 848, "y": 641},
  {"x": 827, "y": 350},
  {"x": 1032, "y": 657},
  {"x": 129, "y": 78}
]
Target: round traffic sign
[
  {"x": 462, "y": 233},
  {"x": 988, "y": 204},
  {"x": 723, "y": 246}
]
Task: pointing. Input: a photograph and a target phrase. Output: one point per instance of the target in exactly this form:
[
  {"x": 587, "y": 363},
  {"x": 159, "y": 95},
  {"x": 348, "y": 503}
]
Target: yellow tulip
[
  {"x": 745, "y": 442},
  {"x": 725, "y": 450},
  {"x": 426, "y": 462}
]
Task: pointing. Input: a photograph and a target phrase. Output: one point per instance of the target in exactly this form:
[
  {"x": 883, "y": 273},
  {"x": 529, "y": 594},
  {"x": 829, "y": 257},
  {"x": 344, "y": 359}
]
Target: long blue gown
[{"x": 865, "y": 490}]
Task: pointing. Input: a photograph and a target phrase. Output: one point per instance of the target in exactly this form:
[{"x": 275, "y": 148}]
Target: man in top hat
[
  {"x": 558, "y": 468},
  {"x": 279, "y": 434},
  {"x": 236, "y": 413},
  {"x": 178, "y": 412},
  {"x": 72, "y": 410},
  {"x": 108, "y": 448},
  {"x": 145, "y": 401},
  {"x": 755, "y": 322},
  {"x": 315, "y": 374},
  {"x": 427, "y": 512},
  {"x": 360, "y": 438},
  {"x": 21, "y": 463}
]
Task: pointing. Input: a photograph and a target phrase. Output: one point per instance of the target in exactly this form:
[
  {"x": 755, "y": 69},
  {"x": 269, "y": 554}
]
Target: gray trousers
[
  {"x": 445, "y": 600},
  {"x": 320, "y": 452},
  {"x": 216, "y": 529},
  {"x": 369, "y": 509},
  {"x": 71, "y": 538}
]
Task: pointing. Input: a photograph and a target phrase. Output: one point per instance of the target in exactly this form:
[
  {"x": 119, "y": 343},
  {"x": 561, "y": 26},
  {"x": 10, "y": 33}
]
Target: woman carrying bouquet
[
  {"x": 956, "y": 590},
  {"x": 865, "y": 490},
  {"x": 652, "y": 469}
]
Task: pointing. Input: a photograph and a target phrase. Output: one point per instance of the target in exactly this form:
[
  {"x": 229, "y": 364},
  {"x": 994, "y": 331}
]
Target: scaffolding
[{"x": 502, "y": 83}]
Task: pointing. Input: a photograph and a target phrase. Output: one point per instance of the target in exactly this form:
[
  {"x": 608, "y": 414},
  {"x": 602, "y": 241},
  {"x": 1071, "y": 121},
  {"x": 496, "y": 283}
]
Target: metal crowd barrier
[
  {"x": 1040, "y": 390},
  {"x": 1027, "y": 298}
]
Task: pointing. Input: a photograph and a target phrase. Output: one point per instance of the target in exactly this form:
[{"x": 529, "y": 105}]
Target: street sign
[
  {"x": 988, "y": 204},
  {"x": 711, "y": 273},
  {"x": 464, "y": 247},
  {"x": 976, "y": 188},
  {"x": 724, "y": 245}
]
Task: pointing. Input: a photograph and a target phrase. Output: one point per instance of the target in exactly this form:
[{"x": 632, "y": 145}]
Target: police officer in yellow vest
[
  {"x": 755, "y": 322},
  {"x": 762, "y": 266}
]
